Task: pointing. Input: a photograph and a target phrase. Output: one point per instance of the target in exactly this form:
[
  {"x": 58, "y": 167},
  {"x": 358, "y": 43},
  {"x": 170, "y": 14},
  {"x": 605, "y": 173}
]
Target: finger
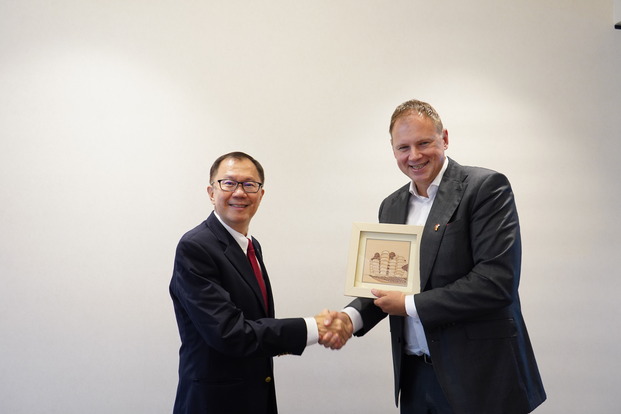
[
  {"x": 337, "y": 343},
  {"x": 341, "y": 343},
  {"x": 327, "y": 337},
  {"x": 344, "y": 335},
  {"x": 333, "y": 342}
]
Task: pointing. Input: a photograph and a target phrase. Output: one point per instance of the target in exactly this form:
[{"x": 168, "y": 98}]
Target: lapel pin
[{"x": 437, "y": 226}]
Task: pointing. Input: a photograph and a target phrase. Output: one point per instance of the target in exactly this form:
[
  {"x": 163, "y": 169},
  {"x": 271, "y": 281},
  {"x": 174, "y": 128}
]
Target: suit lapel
[
  {"x": 449, "y": 196},
  {"x": 397, "y": 211},
  {"x": 237, "y": 258}
]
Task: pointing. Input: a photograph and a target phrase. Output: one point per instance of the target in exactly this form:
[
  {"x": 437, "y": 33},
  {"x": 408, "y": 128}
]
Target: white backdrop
[{"x": 112, "y": 112}]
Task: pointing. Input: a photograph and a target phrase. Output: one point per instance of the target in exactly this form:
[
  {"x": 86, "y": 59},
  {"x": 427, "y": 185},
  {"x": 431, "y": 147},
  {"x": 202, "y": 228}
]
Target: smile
[{"x": 418, "y": 166}]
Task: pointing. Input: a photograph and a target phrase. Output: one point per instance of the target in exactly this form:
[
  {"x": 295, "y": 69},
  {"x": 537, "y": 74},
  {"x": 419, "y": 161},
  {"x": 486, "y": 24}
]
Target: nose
[
  {"x": 239, "y": 190},
  {"x": 414, "y": 154}
]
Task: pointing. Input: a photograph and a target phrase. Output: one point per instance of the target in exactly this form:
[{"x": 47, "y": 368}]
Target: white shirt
[
  {"x": 312, "y": 332},
  {"x": 418, "y": 212}
]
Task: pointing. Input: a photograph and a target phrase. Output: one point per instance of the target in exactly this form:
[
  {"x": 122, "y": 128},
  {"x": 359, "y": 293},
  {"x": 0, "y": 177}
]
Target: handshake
[{"x": 335, "y": 328}]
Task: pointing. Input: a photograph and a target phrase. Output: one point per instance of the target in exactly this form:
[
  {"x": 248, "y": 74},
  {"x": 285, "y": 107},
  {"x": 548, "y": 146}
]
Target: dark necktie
[{"x": 257, "y": 271}]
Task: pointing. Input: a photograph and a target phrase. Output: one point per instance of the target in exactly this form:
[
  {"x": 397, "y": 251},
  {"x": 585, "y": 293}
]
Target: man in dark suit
[
  {"x": 460, "y": 346},
  {"x": 224, "y": 307}
]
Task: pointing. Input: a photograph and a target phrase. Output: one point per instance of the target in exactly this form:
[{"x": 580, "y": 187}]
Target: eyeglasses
[{"x": 231, "y": 185}]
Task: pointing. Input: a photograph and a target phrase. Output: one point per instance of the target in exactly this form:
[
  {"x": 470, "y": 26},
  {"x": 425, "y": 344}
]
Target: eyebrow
[{"x": 229, "y": 177}]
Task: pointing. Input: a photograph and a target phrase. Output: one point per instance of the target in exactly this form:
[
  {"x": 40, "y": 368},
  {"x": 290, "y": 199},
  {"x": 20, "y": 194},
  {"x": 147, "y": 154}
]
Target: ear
[
  {"x": 210, "y": 191},
  {"x": 445, "y": 138},
  {"x": 392, "y": 148},
  {"x": 261, "y": 193}
]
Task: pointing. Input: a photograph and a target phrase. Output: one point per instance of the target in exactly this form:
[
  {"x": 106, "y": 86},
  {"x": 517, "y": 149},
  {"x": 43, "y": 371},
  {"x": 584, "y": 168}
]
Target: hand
[
  {"x": 391, "y": 302},
  {"x": 335, "y": 328}
]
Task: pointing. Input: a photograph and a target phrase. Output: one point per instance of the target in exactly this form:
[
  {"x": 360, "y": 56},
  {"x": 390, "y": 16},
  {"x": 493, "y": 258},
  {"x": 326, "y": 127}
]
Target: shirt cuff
[
  {"x": 355, "y": 317},
  {"x": 312, "y": 332},
  {"x": 410, "y": 307}
]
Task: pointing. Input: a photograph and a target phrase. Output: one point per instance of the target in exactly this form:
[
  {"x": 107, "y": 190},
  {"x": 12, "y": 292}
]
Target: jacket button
[{"x": 268, "y": 379}]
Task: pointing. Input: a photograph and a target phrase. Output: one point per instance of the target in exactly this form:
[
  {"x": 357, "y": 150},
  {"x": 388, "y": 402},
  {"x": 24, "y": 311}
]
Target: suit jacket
[
  {"x": 227, "y": 339},
  {"x": 470, "y": 257}
]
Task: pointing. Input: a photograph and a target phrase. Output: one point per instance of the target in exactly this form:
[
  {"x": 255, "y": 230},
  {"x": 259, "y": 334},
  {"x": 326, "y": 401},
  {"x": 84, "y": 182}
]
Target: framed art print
[{"x": 383, "y": 256}]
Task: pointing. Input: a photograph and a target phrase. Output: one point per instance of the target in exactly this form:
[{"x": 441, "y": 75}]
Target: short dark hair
[
  {"x": 236, "y": 155},
  {"x": 418, "y": 107}
]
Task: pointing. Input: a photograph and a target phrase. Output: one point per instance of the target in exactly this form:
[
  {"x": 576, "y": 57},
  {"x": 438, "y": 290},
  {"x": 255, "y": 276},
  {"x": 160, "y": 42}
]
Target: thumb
[
  {"x": 378, "y": 293},
  {"x": 328, "y": 317}
]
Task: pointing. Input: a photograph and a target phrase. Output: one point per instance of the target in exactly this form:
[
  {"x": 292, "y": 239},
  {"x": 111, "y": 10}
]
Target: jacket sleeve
[
  {"x": 371, "y": 315},
  {"x": 203, "y": 290}
]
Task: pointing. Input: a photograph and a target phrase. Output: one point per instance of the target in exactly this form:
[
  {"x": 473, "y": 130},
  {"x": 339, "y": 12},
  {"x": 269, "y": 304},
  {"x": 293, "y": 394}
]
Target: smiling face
[
  {"x": 419, "y": 147},
  {"x": 235, "y": 208}
]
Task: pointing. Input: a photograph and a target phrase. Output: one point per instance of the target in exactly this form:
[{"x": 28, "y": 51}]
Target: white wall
[{"x": 111, "y": 113}]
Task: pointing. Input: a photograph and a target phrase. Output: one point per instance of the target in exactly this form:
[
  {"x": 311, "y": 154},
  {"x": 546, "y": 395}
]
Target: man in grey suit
[{"x": 460, "y": 346}]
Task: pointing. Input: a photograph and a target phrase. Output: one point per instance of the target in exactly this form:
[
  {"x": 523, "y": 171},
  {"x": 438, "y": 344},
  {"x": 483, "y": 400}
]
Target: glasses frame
[{"x": 238, "y": 184}]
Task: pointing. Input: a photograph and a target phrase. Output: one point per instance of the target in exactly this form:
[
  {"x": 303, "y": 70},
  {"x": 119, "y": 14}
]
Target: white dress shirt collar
[
  {"x": 433, "y": 187},
  {"x": 239, "y": 238}
]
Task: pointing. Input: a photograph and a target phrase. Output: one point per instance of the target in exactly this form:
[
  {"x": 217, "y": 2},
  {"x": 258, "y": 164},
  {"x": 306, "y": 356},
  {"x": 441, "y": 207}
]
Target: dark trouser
[{"x": 420, "y": 391}]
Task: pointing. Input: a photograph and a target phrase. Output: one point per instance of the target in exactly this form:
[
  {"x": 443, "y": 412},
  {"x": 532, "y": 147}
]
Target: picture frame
[{"x": 383, "y": 256}]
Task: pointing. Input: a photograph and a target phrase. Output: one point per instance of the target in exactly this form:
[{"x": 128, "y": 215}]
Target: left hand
[{"x": 391, "y": 302}]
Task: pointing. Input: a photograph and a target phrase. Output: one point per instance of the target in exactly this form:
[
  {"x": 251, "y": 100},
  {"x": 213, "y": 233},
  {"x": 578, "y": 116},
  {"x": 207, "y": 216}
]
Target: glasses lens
[
  {"x": 228, "y": 185},
  {"x": 250, "y": 187}
]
